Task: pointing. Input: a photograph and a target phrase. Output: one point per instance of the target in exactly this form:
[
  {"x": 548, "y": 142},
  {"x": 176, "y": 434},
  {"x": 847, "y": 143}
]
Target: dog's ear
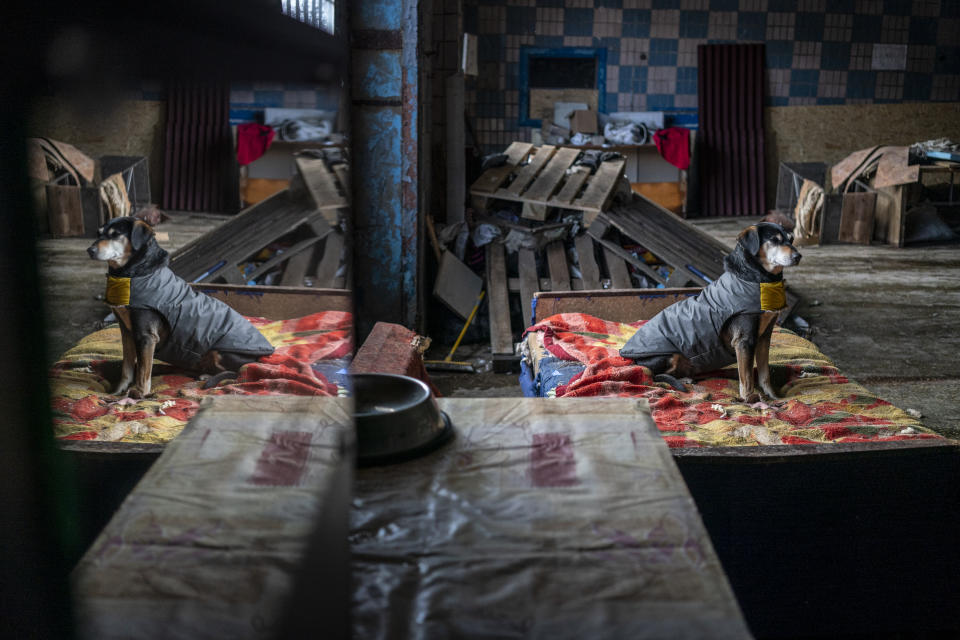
[
  {"x": 140, "y": 235},
  {"x": 750, "y": 240}
]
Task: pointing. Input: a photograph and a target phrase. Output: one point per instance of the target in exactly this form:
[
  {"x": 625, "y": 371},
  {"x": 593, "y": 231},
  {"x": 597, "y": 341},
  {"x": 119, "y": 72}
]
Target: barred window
[{"x": 316, "y": 13}]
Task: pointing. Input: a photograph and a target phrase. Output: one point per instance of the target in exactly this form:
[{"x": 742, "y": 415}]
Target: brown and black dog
[
  {"x": 731, "y": 320},
  {"x": 160, "y": 315}
]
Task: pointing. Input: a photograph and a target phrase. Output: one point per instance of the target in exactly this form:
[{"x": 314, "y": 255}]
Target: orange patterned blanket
[
  {"x": 308, "y": 361},
  {"x": 820, "y": 405}
]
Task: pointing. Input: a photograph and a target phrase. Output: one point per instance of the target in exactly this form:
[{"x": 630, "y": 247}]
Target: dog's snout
[
  {"x": 796, "y": 257},
  {"x": 92, "y": 251}
]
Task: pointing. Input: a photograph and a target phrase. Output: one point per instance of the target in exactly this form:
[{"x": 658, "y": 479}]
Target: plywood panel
[
  {"x": 832, "y": 132},
  {"x": 542, "y": 100}
]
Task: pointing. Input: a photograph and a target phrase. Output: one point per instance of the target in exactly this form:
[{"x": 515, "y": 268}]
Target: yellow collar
[
  {"x": 773, "y": 296},
  {"x": 118, "y": 291}
]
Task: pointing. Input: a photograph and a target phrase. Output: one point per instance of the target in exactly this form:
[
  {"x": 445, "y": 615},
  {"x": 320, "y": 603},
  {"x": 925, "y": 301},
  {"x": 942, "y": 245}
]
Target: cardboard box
[{"x": 583, "y": 121}]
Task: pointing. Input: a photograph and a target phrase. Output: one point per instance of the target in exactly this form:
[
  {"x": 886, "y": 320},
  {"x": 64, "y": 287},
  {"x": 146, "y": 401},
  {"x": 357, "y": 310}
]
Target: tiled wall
[
  {"x": 248, "y": 99},
  {"x": 817, "y": 51}
]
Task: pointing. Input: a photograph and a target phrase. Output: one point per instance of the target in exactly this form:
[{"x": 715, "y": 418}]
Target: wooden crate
[{"x": 549, "y": 179}]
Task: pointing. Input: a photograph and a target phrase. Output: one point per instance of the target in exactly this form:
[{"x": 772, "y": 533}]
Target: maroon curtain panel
[
  {"x": 730, "y": 137},
  {"x": 199, "y": 172}
]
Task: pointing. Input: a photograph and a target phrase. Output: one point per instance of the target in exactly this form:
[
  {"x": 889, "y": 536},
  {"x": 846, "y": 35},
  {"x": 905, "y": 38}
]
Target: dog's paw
[
  {"x": 750, "y": 398},
  {"x": 768, "y": 392},
  {"x": 120, "y": 390},
  {"x": 137, "y": 393}
]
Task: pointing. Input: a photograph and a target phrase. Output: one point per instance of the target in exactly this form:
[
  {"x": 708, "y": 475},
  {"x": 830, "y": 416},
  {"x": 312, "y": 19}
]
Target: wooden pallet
[
  {"x": 311, "y": 207},
  {"x": 694, "y": 257},
  {"x": 549, "y": 179},
  {"x": 600, "y": 269}
]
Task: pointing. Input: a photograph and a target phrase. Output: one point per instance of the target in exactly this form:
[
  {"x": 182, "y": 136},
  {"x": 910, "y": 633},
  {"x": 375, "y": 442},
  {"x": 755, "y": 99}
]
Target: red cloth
[
  {"x": 674, "y": 145},
  {"x": 253, "y": 140}
]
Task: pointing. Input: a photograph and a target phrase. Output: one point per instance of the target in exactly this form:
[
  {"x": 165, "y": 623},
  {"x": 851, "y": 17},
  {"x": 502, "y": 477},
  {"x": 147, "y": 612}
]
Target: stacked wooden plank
[
  {"x": 684, "y": 255},
  {"x": 549, "y": 179},
  {"x": 309, "y": 211}
]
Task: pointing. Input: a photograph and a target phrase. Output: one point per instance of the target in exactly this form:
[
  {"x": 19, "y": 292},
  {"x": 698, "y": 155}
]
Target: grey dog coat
[
  {"x": 692, "y": 326},
  {"x": 198, "y": 323}
]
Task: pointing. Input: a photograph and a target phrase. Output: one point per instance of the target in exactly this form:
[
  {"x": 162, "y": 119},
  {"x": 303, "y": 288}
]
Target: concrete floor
[{"x": 887, "y": 317}]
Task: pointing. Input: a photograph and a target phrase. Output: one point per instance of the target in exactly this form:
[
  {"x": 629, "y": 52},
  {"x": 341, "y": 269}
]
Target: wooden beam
[
  {"x": 588, "y": 263},
  {"x": 529, "y": 283},
  {"x": 326, "y": 273},
  {"x": 296, "y": 269},
  {"x": 614, "y": 305},
  {"x": 559, "y": 271},
  {"x": 498, "y": 301},
  {"x": 619, "y": 275}
]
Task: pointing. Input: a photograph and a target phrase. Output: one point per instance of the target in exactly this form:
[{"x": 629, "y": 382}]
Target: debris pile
[
  {"x": 894, "y": 195},
  {"x": 75, "y": 194},
  {"x": 561, "y": 219},
  {"x": 293, "y": 238}
]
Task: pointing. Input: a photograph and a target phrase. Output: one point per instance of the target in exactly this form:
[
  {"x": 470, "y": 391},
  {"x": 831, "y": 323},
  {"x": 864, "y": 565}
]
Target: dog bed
[
  {"x": 310, "y": 360},
  {"x": 572, "y": 355}
]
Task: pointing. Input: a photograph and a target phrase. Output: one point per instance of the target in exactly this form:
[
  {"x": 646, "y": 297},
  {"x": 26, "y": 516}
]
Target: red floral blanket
[
  {"x": 819, "y": 404},
  {"x": 84, "y": 410}
]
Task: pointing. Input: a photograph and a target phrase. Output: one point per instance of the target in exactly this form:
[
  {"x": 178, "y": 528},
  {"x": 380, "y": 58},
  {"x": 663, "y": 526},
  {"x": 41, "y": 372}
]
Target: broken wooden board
[
  {"x": 325, "y": 275},
  {"x": 830, "y": 223},
  {"x": 529, "y": 282},
  {"x": 557, "y": 261},
  {"x": 457, "y": 286},
  {"x": 64, "y": 210},
  {"x": 68, "y": 157},
  {"x": 296, "y": 269},
  {"x": 617, "y": 268},
  {"x": 323, "y": 186},
  {"x": 498, "y": 302},
  {"x": 856, "y": 217},
  {"x": 589, "y": 270},
  {"x": 893, "y": 168},
  {"x": 214, "y": 257}
]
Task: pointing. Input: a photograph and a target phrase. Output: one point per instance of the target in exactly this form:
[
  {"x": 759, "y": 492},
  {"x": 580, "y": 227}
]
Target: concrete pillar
[{"x": 385, "y": 116}]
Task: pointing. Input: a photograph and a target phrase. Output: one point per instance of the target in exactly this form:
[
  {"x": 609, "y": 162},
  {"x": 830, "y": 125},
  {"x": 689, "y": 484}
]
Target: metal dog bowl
[{"x": 396, "y": 418}]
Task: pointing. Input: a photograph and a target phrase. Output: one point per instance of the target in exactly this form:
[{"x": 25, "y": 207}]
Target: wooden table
[
  {"x": 209, "y": 543},
  {"x": 543, "y": 518}
]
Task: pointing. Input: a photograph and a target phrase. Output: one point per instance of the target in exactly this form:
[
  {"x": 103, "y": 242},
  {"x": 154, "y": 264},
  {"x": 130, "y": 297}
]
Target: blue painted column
[{"x": 385, "y": 108}]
